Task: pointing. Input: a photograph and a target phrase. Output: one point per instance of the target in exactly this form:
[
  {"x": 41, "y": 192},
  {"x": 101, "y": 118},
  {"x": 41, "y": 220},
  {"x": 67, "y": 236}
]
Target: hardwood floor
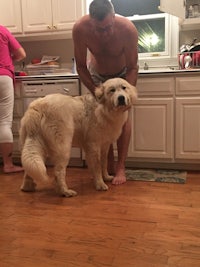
[{"x": 138, "y": 224}]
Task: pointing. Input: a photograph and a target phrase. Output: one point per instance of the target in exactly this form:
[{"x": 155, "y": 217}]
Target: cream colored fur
[{"x": 51, "y": 125}]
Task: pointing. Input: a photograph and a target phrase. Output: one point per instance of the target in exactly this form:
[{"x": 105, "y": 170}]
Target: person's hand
[{"x": 98, "y": 92}]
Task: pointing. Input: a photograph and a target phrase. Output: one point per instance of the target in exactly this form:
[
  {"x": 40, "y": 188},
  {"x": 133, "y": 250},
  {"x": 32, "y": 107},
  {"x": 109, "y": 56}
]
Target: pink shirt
[{"x": 8, "y": 44}]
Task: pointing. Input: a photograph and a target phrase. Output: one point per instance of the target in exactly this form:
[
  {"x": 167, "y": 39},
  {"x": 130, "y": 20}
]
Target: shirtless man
[{"x": 105, "y": 46}]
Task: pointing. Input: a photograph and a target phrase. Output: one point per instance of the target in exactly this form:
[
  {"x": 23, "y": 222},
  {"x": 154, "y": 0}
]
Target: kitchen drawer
[
  {"x": 188, "y": 85},
  {"x": 155, "y": 86}
]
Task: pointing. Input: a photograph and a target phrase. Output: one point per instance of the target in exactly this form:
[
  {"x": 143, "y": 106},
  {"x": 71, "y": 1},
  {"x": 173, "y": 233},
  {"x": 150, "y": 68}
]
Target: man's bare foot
[
  {"x": 12, "y": 169},
  {"x": 120, "y": 178}
]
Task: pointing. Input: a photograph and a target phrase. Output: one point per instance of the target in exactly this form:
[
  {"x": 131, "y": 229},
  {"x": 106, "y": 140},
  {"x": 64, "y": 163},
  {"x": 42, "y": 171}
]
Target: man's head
[
  {"x": 102, "y": 16},
  {"x": 99, "y": 9}
]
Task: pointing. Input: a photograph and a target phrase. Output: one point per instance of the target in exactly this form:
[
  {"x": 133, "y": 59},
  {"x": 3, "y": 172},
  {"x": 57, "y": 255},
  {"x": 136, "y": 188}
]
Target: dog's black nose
[{"x": 121, "y": 100}]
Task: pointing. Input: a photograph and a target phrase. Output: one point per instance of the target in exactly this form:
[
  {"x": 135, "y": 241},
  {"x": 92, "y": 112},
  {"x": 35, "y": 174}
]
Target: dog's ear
[{"x": 99, "y": 93}]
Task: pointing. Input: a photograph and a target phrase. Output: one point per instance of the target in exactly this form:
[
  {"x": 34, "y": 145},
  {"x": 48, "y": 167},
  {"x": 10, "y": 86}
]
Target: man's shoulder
[
  {"x": 125, "y": 24},
  {"x": 122, "y": 20},
  {"x": 82, "y": 23}
]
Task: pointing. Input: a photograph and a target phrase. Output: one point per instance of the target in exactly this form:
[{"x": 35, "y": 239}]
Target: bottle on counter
[
  {"x": 190, "y": 12},
  {"x": 74, "y": 66}
]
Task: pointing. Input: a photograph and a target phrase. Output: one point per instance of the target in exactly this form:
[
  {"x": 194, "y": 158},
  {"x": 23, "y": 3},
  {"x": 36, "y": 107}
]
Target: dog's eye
[
  {"x": 112, "y": 90},
  {"x": 123, "y": 87}
]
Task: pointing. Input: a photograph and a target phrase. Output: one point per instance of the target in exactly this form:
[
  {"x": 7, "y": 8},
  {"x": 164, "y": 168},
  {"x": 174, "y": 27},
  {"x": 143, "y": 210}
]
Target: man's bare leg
[
  {"x": 122, "y": 145},
  {"x": 111, "y": 161}
]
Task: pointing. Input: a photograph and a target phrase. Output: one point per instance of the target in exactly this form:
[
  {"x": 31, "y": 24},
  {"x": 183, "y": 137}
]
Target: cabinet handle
[
  {"x": 55, "y": 27},
  {"x": 49, "y": 27},
  {"x": 66, "y": 90}
]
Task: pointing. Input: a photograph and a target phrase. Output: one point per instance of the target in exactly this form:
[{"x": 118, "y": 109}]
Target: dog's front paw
[
  {"x": 101, "y": 186},
  {"x": 68, "y": 193},
  {"x": 108, "y": 178}
]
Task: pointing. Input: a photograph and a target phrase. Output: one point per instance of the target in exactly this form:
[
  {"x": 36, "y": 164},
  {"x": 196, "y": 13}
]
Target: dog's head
[{"x": 117, "y": 93}]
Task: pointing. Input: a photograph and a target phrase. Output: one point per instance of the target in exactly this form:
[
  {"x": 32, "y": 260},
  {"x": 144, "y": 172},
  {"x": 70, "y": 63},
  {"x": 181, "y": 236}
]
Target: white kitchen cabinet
[
  {"x": 10, "y": 15},
  {"x": 50, "y": 15},
  {"x": 152, "y": 133},
  {"x": 187, "y": 128},
  {"x": 187, "y": 118},
  {"x": 179, "y": 8},
  {"x": 152, "y": 120}
]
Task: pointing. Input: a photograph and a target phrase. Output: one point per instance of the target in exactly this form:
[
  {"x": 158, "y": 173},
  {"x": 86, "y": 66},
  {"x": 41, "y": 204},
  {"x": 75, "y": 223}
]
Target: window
[{"x": 152, "y": 34}]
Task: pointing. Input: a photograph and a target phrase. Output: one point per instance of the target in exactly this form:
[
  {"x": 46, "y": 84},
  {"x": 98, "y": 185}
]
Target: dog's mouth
[{"x": 121, "y": 103}]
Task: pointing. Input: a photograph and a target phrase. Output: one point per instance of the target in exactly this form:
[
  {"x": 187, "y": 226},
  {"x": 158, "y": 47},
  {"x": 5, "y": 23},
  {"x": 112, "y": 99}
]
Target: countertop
[
  {"x": 69, "y": 75},
  {"x": 167, "y": 70}
]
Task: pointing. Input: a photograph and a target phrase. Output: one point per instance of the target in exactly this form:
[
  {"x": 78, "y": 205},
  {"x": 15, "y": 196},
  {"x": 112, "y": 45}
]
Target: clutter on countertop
[
  {"x": 189, "y": 56},
  {"x": 47, "y": 64},
  {"x": 45, "y": 60},
  {"x": 20, "y": 73}
]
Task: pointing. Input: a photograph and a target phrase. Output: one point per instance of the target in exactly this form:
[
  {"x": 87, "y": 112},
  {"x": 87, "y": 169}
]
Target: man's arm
[
  {"x": 80, "y": 53},
  {"x": 131, "y": 54}
]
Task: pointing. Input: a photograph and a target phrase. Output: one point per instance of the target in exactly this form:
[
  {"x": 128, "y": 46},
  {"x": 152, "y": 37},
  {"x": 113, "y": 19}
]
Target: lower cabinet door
[
  {"x": 188, "y": 128},
  {"x": 152, "y": 129}
]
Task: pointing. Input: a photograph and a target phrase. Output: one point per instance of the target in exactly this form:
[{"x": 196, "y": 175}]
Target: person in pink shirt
[{"x": 10, "y": 51}]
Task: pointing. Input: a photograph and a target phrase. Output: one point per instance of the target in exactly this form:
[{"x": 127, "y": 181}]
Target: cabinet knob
[
  {"x": 55, "y": 27},
  {"x": 49, "y": 27}
]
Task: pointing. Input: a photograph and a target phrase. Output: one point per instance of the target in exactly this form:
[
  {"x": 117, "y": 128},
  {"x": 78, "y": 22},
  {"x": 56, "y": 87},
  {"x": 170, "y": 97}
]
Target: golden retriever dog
[{"x": 53, "y": 124}]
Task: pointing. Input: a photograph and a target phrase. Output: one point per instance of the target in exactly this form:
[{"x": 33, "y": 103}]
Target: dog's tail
[
  {"x": 33, "y": 159},
  {"x": 33, "y": 148},
  {"x": 30, "y": 123}
]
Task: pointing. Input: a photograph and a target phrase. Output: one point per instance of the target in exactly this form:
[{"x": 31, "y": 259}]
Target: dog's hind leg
[
  {"x": 33, "y": 161},
  {"x": 60, "y": 176},
  {"x": 28, "y": 184},
  {"x": 61, "y": 158},
  {"x": 94, "y": 164}
]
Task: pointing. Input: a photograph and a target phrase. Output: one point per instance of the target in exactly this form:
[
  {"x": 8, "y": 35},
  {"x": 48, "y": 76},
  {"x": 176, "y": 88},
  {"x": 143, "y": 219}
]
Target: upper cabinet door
[
  {"x": 50, "y": 15},
  {"x": 37, "y": 15},
  {"x": 10, "y": 15},
  {"x": 65, "y": 13},
  {"x": 173, "y": 7}
]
